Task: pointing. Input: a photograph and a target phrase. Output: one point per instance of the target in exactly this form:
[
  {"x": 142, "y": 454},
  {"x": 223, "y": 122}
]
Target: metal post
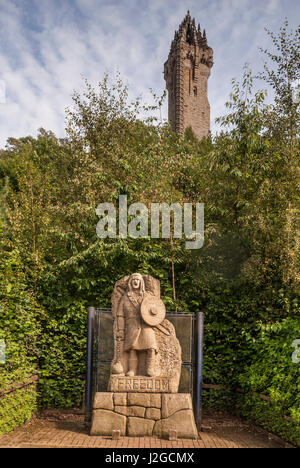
[
  {"x": 199, "y": 369},
  {"x": 89, "y": 364}
]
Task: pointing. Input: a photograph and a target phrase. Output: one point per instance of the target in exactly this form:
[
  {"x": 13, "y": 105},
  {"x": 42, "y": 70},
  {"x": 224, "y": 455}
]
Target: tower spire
[{"x": 186, "y": 73}]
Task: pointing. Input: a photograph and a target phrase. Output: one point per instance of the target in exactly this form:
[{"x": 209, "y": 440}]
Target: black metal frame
[
  {"x": 196, "y": 364},
  {"x": 199, "y": 369},
  {"x": 89, "y": 363}
]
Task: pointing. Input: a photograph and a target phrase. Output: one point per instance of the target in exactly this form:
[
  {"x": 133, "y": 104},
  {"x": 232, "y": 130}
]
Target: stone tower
[{"x": 186, "y": 73}]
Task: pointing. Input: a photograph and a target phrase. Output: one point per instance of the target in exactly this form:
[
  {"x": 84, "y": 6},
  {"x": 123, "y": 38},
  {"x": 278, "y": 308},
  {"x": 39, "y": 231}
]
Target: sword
[{"x": 162, "y": 329}]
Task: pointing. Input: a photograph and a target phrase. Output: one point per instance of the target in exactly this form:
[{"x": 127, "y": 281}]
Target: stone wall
[{"x": 143, "y": 414}]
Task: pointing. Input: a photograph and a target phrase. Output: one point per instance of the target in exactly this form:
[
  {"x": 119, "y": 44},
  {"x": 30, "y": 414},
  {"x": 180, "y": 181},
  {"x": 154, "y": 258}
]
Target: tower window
[
  {"x": 195, "y": 90},
  {"x": 189, "y": 35}
]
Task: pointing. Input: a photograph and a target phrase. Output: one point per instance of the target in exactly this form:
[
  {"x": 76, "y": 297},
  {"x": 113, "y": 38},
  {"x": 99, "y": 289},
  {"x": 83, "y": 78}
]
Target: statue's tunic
[{"x": 138, "y": 335}]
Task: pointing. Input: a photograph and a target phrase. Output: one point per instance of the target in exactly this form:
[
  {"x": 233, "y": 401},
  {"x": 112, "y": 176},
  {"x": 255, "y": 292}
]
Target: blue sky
[{"x": 46, "y": 46}]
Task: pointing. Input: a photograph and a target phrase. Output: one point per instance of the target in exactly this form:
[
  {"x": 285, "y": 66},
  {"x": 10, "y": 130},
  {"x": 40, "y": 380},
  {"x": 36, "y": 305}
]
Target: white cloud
[
  {"x": 47, "y": 45},
  {"x": 2, "y": 92}
]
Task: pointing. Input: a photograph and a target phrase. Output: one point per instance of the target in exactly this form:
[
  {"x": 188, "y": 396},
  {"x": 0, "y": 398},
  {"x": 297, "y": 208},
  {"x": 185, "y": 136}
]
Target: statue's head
[{"x": 136, "y": 283}]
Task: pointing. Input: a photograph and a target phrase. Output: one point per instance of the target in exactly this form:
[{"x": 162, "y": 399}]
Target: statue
[
  {"x": 142, "y": 397},
  {"x": 145, "y": 342},
  {"x": 136, "y": 333}
]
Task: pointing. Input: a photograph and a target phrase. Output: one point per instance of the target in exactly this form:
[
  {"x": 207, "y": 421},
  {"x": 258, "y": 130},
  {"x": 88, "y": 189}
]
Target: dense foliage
[
  {"x": 17, "y": 407},
  {"x": 20, "y": 330},
  {"x": 20, "y": 326},
  {"x": 246, "y": 276},
  {"x": 274, "y": 374}
]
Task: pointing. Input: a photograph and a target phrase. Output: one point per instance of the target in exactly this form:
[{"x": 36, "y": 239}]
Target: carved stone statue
[
  {"x": 136, "y": 334},
  {"x": 145, "y": 342},
  {"x": 142, "y": 397}
]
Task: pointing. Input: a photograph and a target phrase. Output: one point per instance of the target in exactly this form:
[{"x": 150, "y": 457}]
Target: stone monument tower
[{"x": 186, "y": 73}]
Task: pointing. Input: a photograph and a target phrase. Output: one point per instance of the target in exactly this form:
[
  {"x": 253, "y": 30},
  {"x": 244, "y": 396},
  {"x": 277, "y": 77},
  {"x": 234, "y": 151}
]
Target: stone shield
[{"x": 153, "y": 310}]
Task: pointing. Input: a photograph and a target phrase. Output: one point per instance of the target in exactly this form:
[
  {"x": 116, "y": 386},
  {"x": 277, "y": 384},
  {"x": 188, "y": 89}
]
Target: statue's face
[{"x": 135, "y": 282}]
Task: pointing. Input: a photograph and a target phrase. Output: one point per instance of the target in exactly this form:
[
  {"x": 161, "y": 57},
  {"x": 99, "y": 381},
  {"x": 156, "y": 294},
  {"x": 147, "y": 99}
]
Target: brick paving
[{"x": 69, "y": 431}]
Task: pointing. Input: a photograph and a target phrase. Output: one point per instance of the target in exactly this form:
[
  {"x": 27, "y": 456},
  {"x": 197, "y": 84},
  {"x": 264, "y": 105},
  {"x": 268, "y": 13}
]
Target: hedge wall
[
  {"x": 20, "y": 331},
  {"x": 270, "y": 372},
  {"x": 17, "y": 407}
]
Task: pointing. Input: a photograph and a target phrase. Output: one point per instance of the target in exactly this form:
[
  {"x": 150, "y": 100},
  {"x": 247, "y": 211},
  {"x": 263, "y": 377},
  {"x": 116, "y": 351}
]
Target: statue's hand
[{"x": 120, "y": 335}]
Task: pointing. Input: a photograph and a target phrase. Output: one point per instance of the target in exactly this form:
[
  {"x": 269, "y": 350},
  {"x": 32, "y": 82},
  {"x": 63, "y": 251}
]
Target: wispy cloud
[{"x": 48, "y": 45}]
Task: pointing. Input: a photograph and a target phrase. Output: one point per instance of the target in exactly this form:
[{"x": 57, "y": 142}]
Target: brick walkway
[{"x": 69, "y": 431}]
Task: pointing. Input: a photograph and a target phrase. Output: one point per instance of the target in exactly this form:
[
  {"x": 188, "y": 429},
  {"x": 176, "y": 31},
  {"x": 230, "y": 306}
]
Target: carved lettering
[
  {"x": 143, "y": 384},
  {"x": 135, "y": 384},
  {"x": 129, "y": 384},
  {"x": 165, "y": 385}
]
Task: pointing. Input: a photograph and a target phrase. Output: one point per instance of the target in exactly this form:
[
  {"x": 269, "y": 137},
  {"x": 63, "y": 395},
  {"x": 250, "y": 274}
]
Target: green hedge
[
  {"x": 255, "y": 410},
  {"x": 63, "y": 357},
  {"x": 20, "y": 330},
  {"x": 269, "y": 371},
  {"x": 270, "y": 417},
  {"x": 17, "y": 407}
]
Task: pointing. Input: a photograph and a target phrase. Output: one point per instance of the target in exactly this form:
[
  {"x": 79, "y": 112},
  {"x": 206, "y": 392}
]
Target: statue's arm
[{"x": 121, "y": 320}]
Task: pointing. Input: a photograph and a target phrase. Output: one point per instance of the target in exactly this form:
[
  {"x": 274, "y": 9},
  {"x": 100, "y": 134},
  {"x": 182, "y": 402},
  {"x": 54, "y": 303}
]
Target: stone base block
[
  {"x": 144, "y": 414},
  {"x": 104, "y": 422},
  {"x": 183, "y": 422},
  {"x": 138, "y": 427}
]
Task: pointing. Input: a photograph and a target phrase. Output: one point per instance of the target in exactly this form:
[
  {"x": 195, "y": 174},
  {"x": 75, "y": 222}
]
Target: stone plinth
[{"x": 143, "y": 414}]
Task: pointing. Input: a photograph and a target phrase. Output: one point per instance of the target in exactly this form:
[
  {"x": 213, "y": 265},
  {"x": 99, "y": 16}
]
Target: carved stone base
[
  {"x": 143, "y": 414},
  {"x": 138, "y": 384}
]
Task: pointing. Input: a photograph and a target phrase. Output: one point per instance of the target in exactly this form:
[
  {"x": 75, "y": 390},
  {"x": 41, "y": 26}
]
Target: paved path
[{"x": 68, "y": 431}]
